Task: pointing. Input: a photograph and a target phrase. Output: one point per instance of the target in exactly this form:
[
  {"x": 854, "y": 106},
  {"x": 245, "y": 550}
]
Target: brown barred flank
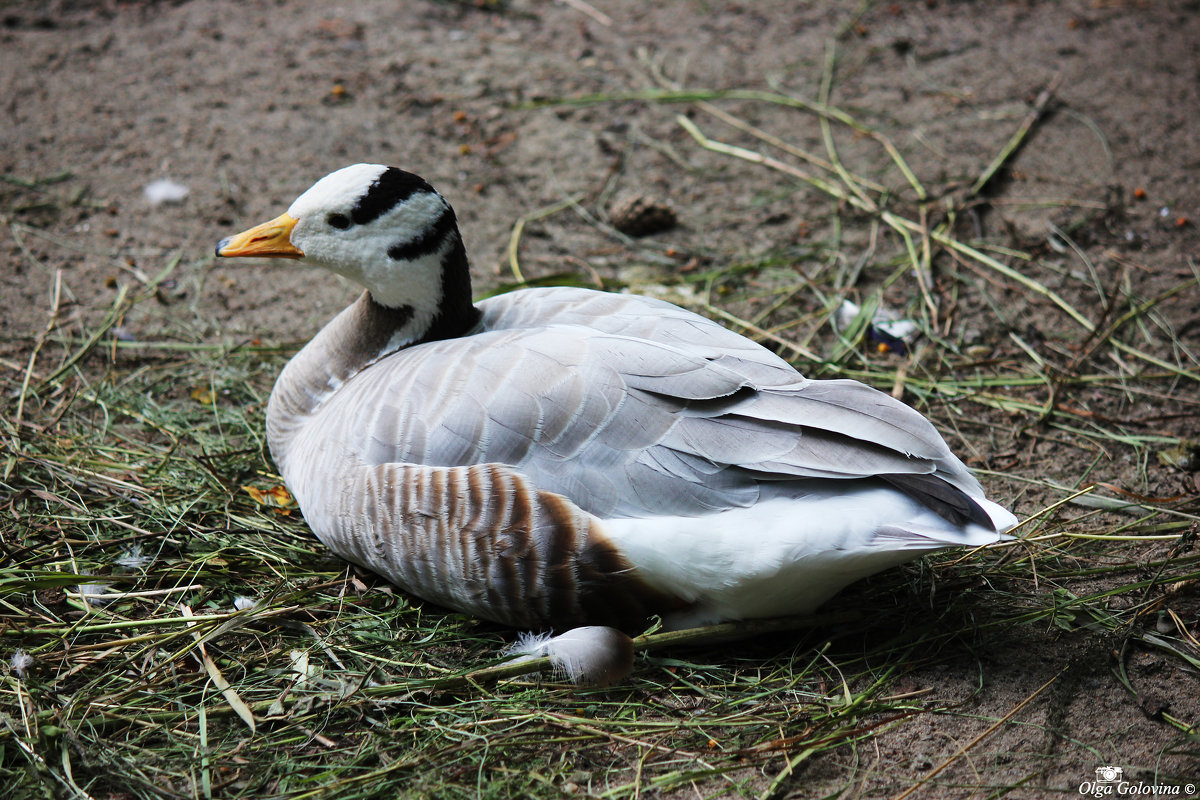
[{"x": 484, "y": 540}]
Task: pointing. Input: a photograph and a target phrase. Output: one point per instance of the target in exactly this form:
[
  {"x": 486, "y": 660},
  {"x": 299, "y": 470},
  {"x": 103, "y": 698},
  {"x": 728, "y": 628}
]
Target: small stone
[{"x": 639, "y": 215}]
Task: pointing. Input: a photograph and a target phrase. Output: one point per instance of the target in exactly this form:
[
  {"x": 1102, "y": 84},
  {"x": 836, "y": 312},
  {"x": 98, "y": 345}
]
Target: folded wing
[{"x": 630, "y": 407}]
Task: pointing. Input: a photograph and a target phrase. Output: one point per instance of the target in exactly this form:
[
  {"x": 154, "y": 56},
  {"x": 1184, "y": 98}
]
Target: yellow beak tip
[{"x": 269, "y": 240}]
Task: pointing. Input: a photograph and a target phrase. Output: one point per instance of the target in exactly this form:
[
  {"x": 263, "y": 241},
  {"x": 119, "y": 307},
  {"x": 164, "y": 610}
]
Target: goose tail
[{"x": 921, "y": 535}]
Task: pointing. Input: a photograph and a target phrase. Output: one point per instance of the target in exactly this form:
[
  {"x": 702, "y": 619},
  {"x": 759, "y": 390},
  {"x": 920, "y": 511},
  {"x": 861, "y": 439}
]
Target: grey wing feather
[{"x": 631, "y": 407}]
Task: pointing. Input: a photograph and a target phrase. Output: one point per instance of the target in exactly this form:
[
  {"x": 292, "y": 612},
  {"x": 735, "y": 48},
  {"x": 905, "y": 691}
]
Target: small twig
[
  {"x": 760, "y": 333},
  {"x": 514, "y": 238},
  {"x": 833, "y": 112},
  {"x": 120, "y": 307},
  {"x": 51, "y": 322},
  {"x": 1018, "y": 138},
  {"x": 729, "y": 631},
  {"x": 218, "y": 679},
  {"x": 827, "y": 132},
  {"x": 921, "y": 271},
  {"x": 778, "y": 143},
  {"x": 754, "y": 157},
  {"x": 110, "y": 596},
  {"x": 1029, "y": 283},
  {"x": 1097, "y": 339},
  {"x": 991, "y": 729},
  {"x": 587, "y": 8},
  {"x": 236, "y": 618}
]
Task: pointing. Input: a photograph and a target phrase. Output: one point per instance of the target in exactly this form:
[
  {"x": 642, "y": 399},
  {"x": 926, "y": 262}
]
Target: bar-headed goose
[{"x": 558, "y": 457}]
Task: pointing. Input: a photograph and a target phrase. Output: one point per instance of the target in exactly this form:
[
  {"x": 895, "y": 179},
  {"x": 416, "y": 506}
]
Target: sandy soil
[{"x": 247, "y": 103}]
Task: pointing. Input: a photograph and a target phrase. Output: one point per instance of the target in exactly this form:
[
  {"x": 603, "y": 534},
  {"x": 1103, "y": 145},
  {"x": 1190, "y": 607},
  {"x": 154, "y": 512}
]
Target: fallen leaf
[{"x": 276, "y": 497}]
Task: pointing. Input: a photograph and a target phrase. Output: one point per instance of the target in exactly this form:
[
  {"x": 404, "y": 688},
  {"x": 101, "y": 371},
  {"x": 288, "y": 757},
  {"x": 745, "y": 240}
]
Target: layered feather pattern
[{"x": 619, "y": 417}]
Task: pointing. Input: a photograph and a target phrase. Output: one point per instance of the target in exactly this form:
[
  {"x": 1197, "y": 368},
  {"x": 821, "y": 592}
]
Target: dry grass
[{"x": 138, "y": 507}]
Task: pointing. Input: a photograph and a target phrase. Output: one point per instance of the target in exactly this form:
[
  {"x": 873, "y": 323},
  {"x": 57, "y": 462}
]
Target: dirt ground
[{"x": 247, "y": 103}]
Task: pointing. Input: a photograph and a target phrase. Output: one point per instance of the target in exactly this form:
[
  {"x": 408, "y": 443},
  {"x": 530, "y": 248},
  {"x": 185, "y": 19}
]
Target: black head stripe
[
  {"x": 428, "y": 241},
  {"x": 389, "y": 190}
]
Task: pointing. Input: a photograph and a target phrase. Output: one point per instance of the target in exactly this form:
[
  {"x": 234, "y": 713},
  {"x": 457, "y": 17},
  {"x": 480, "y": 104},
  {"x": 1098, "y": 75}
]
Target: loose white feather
[
  {"x": 95, "y": 594},
  {"x": 593, "y": 654},
  {"x": 244, "y": 603},
  {"x": 21, "y": 662},
  {"x": 165, "y": 190}
]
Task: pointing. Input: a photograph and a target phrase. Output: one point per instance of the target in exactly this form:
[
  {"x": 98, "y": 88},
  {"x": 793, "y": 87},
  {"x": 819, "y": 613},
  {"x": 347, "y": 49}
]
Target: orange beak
[{"x": 270, "y": 240}]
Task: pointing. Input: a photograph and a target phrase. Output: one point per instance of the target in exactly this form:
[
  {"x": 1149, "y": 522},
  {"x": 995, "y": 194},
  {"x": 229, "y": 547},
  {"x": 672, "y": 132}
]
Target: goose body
[{"x": 558, "y": 457}]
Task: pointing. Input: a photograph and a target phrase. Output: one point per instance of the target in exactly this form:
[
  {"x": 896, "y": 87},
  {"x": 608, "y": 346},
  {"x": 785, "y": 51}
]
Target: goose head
[{"x": 383, "y": 228}]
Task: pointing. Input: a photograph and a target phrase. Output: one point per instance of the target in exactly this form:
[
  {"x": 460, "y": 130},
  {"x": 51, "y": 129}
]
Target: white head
[{"x": 383, "y": 228}]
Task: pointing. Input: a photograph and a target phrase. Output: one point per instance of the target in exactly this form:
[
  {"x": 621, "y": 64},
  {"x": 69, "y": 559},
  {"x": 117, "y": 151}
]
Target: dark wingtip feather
[{"x": 948, "y": 501}]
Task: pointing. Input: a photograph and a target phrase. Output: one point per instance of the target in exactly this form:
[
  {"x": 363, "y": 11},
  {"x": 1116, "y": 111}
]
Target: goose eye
[{"x": 339, "y": 221}]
